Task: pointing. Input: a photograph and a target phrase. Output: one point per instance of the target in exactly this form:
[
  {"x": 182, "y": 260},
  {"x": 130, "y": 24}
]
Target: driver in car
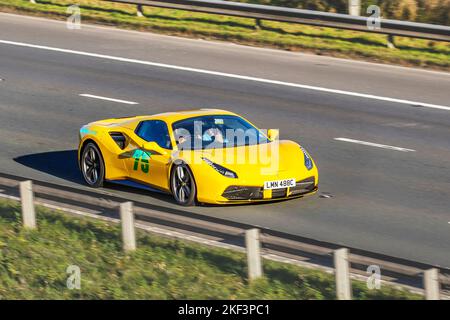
[{"x": 213, "y": 135}]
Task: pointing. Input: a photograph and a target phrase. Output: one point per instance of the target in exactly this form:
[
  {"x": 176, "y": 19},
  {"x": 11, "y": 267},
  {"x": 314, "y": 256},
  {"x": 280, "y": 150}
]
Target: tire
[
  {"x": 92, "y": 165},
  {"x": 182, "y": 184}
]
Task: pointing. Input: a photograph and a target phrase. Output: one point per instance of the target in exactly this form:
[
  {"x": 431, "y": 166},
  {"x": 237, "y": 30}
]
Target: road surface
[{"x": 380, "y": 134}]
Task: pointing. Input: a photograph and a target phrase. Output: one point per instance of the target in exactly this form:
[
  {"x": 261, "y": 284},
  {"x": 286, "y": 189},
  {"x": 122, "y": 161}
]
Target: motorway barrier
[
  {"x": 253, "y": 247},
  {"x": 27, "y": 200},
  {"x": 348, "y": 262},
  {"x": 431, "y": 283},
  {"x": 342, "y": 274},
  {"x": 354, "y": 7},
  {"x": 128, "y": 230},
  {"x": 309, "y": 17}
]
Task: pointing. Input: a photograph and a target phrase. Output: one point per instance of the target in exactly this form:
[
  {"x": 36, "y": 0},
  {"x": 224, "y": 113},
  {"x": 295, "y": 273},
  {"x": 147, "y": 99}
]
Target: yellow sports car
[{"x": 200, "y": 156}]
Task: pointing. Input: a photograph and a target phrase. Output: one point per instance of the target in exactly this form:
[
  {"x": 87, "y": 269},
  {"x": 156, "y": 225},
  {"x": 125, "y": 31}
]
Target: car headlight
[
  {"x": 222, "y": 170},
  {"x": 308, "y": 161}
]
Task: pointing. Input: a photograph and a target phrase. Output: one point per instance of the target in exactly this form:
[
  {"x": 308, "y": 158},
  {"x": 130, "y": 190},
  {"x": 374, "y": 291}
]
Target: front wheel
[
  {"x": 183, "y": 185},
  {"x": 92, "y": 166}
]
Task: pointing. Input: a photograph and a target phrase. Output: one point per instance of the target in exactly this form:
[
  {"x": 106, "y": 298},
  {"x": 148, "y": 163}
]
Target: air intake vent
[
  {"x": 303, "y": 187},
  {"x": 119, "y": 138},
  {"x": 243, "y": 193}
]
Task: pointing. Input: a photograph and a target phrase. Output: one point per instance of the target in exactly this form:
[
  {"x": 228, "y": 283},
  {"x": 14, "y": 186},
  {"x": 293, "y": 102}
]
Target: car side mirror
[
  {"x": 273, "y": 134},
  {"x": 154, "y": 148}
]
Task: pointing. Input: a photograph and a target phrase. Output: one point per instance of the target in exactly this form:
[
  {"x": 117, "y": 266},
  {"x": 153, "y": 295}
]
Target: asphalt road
[{"x": 383, "y": 200}]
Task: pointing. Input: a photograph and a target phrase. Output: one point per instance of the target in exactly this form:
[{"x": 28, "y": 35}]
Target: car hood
[{"x": 274, "y": 160}]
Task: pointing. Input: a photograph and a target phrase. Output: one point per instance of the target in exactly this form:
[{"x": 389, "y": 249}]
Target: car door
[{"x": 144, "y": 166}]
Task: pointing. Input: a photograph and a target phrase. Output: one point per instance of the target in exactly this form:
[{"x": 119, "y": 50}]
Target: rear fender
[{"x": 114, "y": 166}]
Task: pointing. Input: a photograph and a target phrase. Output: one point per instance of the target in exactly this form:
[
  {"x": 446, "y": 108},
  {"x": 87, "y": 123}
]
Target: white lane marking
[
  {"x": 107, "y": 99},
  {"x": 229, "y": 75},
  {"x": 375, "y": 145},
  {"x": 231, "y": 44}
]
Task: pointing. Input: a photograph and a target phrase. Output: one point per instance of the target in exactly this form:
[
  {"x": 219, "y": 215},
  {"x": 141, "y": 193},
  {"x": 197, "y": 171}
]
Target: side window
[{"x": 155, "y": 130}]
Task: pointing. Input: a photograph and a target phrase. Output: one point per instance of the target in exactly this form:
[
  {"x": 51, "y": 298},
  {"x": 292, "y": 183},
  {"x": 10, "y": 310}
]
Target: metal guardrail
[
  {"x": 272, "y": 242},
  {"x": 308, "y": 17}
]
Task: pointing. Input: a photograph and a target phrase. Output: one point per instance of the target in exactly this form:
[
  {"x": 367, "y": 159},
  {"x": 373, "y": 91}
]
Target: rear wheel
[
  {"x": 183, "y": 185},
  {"x": 92, "y": 166}
]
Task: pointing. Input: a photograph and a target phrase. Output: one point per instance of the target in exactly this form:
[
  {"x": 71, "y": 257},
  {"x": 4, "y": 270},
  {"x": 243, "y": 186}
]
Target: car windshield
[{"x": 216, "y": 131}]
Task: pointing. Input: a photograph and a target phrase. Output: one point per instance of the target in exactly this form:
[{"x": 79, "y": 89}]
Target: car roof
[{"x": 171, "y": 117}]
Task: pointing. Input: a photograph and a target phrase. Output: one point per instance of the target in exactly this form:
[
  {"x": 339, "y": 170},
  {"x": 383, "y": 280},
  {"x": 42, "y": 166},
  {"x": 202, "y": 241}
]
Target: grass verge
[
  {"x": 33, "y": 266},
  {"x": 294, "y": 37}
]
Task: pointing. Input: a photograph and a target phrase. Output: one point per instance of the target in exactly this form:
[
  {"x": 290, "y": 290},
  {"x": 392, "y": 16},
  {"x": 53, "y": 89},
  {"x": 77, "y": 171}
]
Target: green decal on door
[{"x": 141, "y": 157}]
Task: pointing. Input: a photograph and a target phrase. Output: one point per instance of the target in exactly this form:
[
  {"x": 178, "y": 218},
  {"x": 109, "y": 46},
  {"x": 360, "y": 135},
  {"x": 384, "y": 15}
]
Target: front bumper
[{"x": 239, "y": 194}]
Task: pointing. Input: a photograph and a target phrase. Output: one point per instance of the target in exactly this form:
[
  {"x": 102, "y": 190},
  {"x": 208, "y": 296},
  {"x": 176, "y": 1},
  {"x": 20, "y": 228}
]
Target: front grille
[
  {"x": 257, "y": 193},
  {"x": 279, "y": 193},
  {"x": 243, "y": 193},
  {"x": 302, "y": 187}
]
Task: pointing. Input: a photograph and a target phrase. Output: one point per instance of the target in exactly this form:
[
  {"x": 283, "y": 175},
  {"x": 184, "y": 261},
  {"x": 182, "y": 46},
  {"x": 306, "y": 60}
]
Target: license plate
[{"x": 279, "y": 184}]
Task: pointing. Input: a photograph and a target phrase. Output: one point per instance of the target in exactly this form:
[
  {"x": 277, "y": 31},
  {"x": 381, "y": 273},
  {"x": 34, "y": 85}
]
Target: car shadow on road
[
  {"x": 61, "y": 164},
  {"x": 64, "y": 165}
]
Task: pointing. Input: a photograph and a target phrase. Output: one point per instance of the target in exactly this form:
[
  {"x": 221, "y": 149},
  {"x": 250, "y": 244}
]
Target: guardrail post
[
  {"x": 258, "y": 24},
  {"x": 27, "y": 200},
  {"x": 253, "y": 254},
  {"x": 342, "y": 274},
  {"x": 390, "y": 41},
  {"x": 128, "y": 232},
  {"x": 431, "y": 284},
  {"x": 139, "y": 10},
  {"x": 354, "y": 7}
]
